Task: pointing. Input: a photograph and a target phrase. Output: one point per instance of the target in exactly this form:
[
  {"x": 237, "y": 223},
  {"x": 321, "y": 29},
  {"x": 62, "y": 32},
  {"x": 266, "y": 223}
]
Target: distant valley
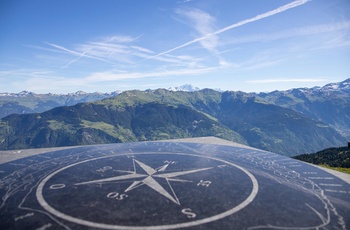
[{"x": 291, "y": 122}]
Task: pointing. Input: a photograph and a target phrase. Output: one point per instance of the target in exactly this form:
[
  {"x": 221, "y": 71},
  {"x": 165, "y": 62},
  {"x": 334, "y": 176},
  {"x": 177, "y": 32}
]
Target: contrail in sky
[
  {"x": 80, "y": 55},
  {"x": 71, "y": 62},
  {"x": 241, "y": 23}
]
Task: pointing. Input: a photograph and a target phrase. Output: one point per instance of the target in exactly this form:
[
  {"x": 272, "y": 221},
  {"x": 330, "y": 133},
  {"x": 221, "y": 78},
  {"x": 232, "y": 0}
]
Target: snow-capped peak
[
  {"x": 344, "y": 85},
  {"x": 186, "y": 88},
  {"x": 80, "y": 92}
]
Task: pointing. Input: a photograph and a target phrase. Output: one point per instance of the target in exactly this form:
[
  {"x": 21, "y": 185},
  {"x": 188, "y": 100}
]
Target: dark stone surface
[{"x": 169, "y": 185}]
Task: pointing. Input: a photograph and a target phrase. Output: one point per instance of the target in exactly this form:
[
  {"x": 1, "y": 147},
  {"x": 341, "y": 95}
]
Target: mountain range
[
  {"x": 288, "y": 122},
  {"x": 29, "y": 102}
]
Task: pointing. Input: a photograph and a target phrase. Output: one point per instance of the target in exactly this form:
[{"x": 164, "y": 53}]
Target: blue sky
[{"x": 62, "y": 46}]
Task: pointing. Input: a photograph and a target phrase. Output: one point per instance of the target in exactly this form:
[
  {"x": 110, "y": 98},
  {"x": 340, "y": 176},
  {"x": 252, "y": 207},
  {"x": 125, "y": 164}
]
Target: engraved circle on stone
[{"x": 243, "y": 204}]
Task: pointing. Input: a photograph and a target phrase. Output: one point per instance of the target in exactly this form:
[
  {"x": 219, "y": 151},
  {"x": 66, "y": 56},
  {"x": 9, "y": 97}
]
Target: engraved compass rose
[
  {"x": 146, "y": 190},
  {"x": 149, "y": 179},
  {"x": 168, "y": 185}
]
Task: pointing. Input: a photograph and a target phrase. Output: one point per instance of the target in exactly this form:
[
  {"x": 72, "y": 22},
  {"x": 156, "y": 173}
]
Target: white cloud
[
  {"x": 284, "y": 80},
  {"x": 264, "y": 15},
  {"x": 76, "y": 53},
  {"x": 334, "y": 40},
  {"x": 144, "y": 50},
  {"x": 26, "y": 73},
  {"x": 110, "y": 50},
  {"x": 120, "y": 39},
  {"x": 44, "y": 81},
  {"x": 295, "y": 32},
  {"x": 185, "y": 1},
  {"x": 111, "y": 76},
  {"x": 262, "y": 60},
  {"x": 204, "y": 24},
  {"x": 119, "y": 51},
  {"x": 238, "y": 24}
]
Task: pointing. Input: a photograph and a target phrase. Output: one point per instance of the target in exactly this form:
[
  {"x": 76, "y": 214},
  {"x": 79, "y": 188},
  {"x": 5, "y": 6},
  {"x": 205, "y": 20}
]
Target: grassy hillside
[
  {"x": 162, "y": 114},
  {"x": 332, "y": 157},
  {"x": 102, "y": 123}
]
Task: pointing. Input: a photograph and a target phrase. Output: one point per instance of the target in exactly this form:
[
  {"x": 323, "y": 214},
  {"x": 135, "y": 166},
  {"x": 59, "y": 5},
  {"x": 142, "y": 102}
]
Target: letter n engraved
[{"x": 205, "y": 183}]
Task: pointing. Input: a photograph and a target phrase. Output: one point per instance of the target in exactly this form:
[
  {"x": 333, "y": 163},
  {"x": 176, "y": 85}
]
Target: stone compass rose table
[{"x": 169, "y": 185}]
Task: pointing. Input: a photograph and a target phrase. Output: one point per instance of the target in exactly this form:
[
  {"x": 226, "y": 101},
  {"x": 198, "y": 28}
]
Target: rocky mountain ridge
[
  {"x": 162, "y": 114},
  {"x": 288, "y": 122},
  {"x": 29, "y": 102}
]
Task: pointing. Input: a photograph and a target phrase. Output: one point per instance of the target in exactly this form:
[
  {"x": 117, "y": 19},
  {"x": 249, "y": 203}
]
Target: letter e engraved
[
  {"x": 205, "y": 183},
  {"x": 117, "y": 196},
  {"x": 189, "y": 213}
]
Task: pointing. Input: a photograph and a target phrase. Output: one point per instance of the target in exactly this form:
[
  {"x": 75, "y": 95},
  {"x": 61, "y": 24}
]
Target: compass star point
[
  {"x": 149, "y": 170},
  {"x": 149, "y": 179}
]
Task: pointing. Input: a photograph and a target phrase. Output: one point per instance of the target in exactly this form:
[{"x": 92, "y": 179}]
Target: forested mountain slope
[
  {"x": 162, "y": 114},
  {"x": 333, "y": 157},
  {"x": 329, "y": 104}
]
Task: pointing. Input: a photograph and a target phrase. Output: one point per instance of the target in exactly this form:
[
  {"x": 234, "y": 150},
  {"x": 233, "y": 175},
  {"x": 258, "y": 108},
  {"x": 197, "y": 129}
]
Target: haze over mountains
[
  {"x": 291, "y": 122},
  {"x": 30, "y": 102}
]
